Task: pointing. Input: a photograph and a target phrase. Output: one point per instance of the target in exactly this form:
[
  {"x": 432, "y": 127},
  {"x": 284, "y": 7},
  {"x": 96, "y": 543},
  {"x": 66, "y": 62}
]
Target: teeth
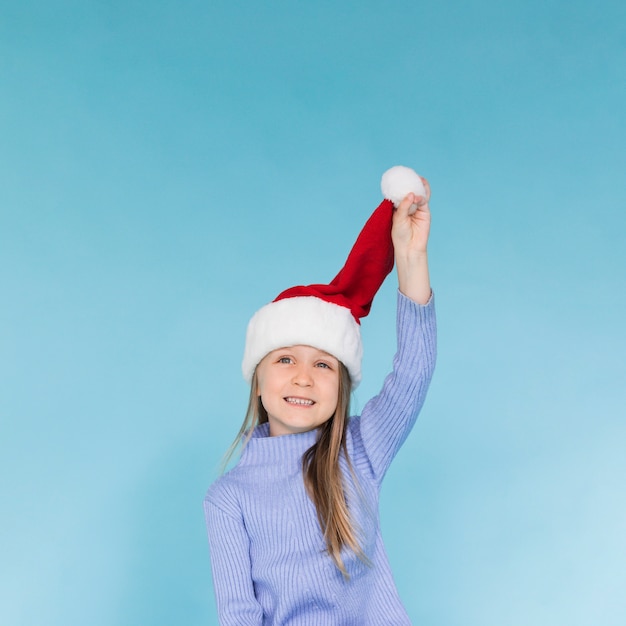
[{"x": 301, "y": 401}]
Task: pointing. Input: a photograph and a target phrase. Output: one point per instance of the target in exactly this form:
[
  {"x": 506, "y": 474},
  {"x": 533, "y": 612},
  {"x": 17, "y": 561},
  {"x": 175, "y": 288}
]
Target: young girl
[{"x": 294, "y": 527}]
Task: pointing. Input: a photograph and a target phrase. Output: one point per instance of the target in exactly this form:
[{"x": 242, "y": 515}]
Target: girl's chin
[{"x": 276, "y": 430}]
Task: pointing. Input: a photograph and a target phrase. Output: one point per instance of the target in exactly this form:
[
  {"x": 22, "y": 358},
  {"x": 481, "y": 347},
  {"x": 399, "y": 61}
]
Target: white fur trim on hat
[
  {"x": 398, "y": 181},
  {"x": 308, "y": 321}
]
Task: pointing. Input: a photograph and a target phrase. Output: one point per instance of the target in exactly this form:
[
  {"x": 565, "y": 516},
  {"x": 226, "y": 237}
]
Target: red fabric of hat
[{"x": 365, "y": 269}]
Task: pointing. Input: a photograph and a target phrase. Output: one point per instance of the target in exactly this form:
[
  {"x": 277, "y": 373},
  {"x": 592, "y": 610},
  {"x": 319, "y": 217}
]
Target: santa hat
[{"x": 328, "y": 317}]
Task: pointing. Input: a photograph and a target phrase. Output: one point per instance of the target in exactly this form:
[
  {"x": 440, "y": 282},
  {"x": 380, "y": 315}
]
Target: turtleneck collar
[{"x": 282, "y": 450}]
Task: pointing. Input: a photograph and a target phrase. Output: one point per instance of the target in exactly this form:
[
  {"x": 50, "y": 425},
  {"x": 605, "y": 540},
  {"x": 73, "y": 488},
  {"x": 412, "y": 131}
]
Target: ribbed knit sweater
[{"x": 268, "y": 554}]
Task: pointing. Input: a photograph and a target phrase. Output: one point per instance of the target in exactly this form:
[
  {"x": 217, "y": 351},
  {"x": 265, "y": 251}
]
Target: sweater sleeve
[
  {"x": 388, "y": 418},
  {"x": 230, "y": 564}
]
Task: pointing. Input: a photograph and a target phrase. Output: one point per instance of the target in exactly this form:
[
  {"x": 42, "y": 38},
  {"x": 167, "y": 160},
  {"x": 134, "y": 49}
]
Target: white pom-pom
[{"x": 399, "y": 181}]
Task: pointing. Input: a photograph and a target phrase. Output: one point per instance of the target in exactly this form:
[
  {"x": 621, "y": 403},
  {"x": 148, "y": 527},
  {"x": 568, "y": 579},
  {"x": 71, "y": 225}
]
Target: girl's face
[{"x": 299, "y": 388}]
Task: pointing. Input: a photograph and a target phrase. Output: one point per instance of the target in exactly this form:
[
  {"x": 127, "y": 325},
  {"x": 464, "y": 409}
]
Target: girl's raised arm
[
  {"x": 387, "y": 419},
  {"x": 409, "y": 233}
]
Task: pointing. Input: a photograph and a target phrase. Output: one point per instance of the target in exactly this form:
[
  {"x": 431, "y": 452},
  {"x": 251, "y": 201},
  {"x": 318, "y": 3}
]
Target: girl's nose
[{"x": 302, "y": 377}]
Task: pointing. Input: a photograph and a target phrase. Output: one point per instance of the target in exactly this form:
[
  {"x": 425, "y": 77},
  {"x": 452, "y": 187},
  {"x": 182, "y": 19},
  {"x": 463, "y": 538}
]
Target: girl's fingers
[
  {"x": 412, "y": 202},
  {"x": 404, "y": 208}
]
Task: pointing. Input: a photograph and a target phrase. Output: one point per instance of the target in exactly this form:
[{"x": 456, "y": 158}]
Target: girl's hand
[{"x": 409, "y": 232}]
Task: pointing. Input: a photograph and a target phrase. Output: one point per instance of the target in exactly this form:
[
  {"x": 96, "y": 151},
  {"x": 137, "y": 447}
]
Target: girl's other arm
[{"x": 230, "y": 563}]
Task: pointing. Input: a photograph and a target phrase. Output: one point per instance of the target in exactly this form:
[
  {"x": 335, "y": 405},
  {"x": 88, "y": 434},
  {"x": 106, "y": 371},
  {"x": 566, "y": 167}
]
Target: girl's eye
[
  {"x": 323, "y": 365},
  {"x": 284, "y": 359}
]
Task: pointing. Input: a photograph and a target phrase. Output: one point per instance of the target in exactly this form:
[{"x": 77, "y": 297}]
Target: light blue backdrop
[{"x": 167, "y": 168}]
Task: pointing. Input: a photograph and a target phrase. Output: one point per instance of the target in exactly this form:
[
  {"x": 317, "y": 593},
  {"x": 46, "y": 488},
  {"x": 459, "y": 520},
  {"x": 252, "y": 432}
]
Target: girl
[{"x": 294, "y": 527}]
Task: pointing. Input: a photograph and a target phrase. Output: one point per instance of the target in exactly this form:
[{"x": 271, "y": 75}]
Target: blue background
[{"x": 168, "y": 168}]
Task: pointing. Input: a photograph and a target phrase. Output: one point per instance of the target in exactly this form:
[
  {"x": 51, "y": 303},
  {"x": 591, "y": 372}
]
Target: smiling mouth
[{"x": 299, "y": 401}]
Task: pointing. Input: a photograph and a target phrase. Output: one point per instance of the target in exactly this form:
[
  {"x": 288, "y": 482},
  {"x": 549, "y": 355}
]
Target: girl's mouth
[{"x": 299, "y": 401}]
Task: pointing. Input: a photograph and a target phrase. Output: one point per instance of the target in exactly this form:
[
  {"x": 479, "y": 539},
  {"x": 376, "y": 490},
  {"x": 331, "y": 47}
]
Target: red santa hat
[{"x": 328, "y": 316}]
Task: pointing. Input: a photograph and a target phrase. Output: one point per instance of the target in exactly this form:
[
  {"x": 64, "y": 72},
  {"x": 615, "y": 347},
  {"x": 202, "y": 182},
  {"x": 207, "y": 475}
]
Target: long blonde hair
[{"x": 323, "y": 478}]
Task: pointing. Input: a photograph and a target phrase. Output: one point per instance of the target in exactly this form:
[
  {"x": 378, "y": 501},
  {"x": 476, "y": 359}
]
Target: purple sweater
[{"x": 267, "y": 550}]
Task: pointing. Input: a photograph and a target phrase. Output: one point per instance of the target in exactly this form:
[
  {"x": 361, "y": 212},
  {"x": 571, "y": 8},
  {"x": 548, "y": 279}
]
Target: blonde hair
[{"x": 323, "y": 478}]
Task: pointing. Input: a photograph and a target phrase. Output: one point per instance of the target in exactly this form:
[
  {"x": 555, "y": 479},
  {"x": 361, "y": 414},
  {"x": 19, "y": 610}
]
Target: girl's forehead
[{"x": 305, "y": 349}]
